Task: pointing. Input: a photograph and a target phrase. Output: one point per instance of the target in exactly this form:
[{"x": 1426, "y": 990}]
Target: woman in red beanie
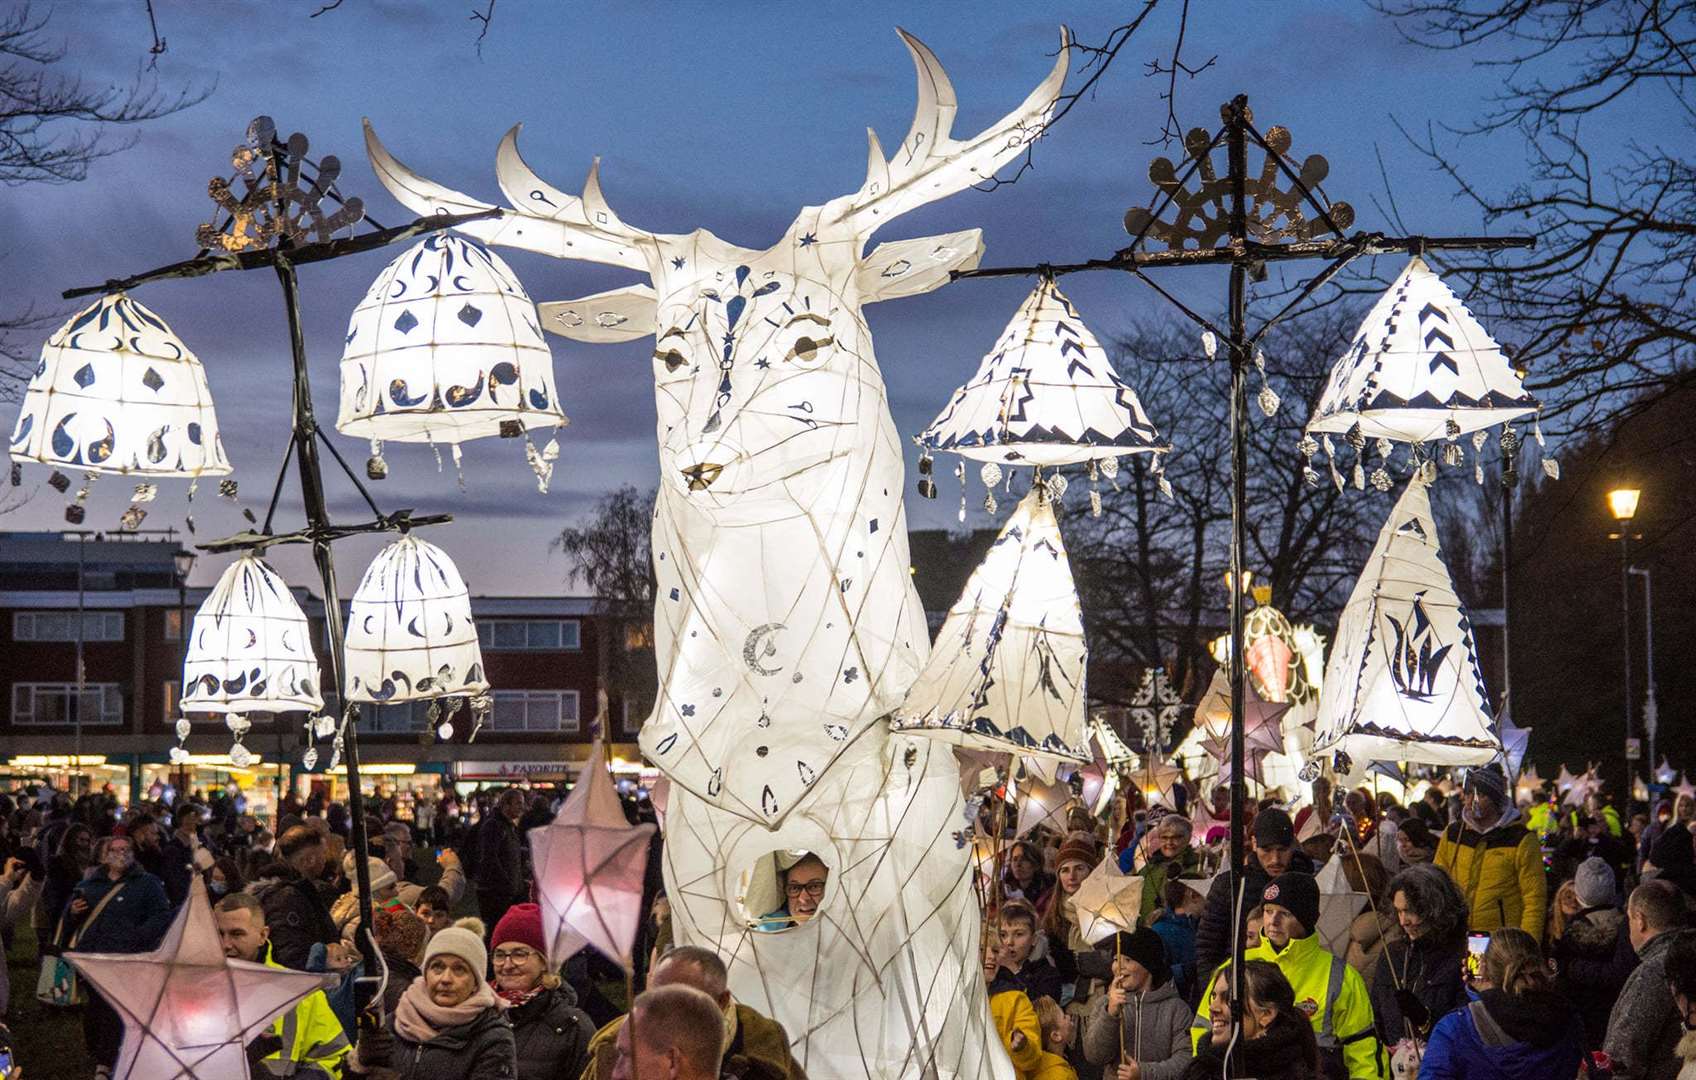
[{"x": 551, "y": 1031}]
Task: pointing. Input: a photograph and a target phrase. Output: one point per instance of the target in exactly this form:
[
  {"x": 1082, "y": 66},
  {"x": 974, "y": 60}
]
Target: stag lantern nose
[{"x": 701, "y": 475}]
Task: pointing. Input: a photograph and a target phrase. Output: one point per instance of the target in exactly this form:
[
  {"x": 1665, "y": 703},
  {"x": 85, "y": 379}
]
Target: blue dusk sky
[{"x": 728, "y": 116}]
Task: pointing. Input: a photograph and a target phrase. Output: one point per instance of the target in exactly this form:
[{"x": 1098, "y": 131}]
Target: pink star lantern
[
  {"x": 1041, "y": 803},
  {"x": 590, "y": 867},
  {"x": 189, "y": 1012},
  {"x": 1156, "y": 778}
]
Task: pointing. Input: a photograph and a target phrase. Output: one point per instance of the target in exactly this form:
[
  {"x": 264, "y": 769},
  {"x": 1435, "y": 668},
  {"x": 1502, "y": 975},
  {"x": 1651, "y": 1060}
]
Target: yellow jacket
[
  {"x": 1053, "y": 1067},
  {"x": 311, "y": 1035},
  {"x": 1500, "y": 873},
  {"x": 1011, "y": 1010},
  {"x": 1330, "y": 992}
]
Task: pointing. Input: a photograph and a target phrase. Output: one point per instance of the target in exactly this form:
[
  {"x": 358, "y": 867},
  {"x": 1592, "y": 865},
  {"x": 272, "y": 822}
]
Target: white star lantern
[
  {"x": 409, "y": 631},
  {"x": 1156, "y": 777},
  {"x": 590, "y": 866},
  {"x": 1007, "y": 670},
  {"x": 1338, "y": 904},
  {"x": 1046, "y": 394},
  {"x": 1041, "y": 803},
  {"x": 117, "y": 391},
  {"x": 1685, "y": 789},
  {"x": 1420, "y": 369},
  {"x": 1665, "y": 773},
  {"x": 1529, "y": 783},
  {"x": 189, "y": 1012},
  {"x": 1403, "y": 683},
  {"x": 1106, "y": 902}
]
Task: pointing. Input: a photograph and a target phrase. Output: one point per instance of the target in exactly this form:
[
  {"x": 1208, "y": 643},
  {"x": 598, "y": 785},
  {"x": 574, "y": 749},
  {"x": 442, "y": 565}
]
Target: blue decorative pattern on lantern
[
  {"x": 446, "y": 327},
  {"x": 410, "y": 634}
]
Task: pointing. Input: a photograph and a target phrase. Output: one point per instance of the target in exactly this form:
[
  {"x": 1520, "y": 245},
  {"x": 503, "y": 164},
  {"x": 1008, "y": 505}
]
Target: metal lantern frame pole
[
  {"x": 1245, "y": 221},
  {"x": 280, "y": 208}
]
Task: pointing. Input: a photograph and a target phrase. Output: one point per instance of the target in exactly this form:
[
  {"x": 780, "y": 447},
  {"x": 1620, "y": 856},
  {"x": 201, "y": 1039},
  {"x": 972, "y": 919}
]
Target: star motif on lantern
[
  {"x": 189, "y": 1011},
  {"x": 1156, "y": 777},
  {"x": 1565, "y": 780},
  {"x": 1665, "y": 773},
  {"x": 1107, "y": 902},
  {"x": 1685, "y": 788},
  {"x": 1528, "y": 784},
  {"x": 1041, "y": 803},
  {"x": 1156, "y": 707},
  {"x": 590, "y": 866}
]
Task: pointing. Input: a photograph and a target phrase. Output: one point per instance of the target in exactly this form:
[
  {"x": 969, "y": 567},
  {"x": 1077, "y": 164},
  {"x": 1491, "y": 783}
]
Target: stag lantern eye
[
  {"x": 806, "y": 341},
  {"x": 670, "y": 362}
]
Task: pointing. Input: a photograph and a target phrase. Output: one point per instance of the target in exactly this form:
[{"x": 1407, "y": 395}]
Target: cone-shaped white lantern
[
  {"x": 1046, "y": 394},
  {"x": 1403, "y": 684},
  {"x": 250, "y": 648},
  {"x": 446, "y": 347},
  {"x": 117, "y": 391},
  {"x": 409, "y": 631},
  {"x": 1007, "y": 670},
  {"x": 1419, "y": 363}
]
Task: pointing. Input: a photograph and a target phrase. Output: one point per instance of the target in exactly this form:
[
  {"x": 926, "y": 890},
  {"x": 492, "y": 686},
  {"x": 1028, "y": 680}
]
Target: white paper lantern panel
[
  {"x": 1403, "y": 684},
  {"x": 250, "y": 647},
  {"x": 1419, "y": 362},
  {"x": 1007, "y": 670},
  {"x": 1046, "y": 394},
  {"x": 117, "y": 391},
  {"x": 410, "y": 635},
  {"x": 446, "y": 347}
]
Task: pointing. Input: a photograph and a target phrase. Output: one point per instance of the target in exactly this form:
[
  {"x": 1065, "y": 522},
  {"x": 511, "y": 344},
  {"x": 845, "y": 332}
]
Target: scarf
[
  {"x": 418, "y": 1019},
  {"x": 515, "y": 998}
]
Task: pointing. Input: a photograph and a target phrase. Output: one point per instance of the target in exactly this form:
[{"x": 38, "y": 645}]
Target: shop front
[
  {"x": 74, "y": 774},
  {"x": 256, "y": 787}
]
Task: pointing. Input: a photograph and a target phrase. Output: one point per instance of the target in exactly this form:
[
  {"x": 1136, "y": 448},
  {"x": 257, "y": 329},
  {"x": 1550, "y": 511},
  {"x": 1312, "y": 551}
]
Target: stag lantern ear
[
  {"x": 604, "y": 318},
  {"x": 910, "y": 267}
]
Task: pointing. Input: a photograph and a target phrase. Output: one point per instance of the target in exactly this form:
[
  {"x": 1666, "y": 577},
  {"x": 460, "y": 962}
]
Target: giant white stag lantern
[{"x": 787, "y": 626}]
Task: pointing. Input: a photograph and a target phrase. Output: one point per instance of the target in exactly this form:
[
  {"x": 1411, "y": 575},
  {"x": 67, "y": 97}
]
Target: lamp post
[
  {"x": 1622, "y": 503},
  {"x": 184, "y": 559},
  {"x": 1651, "y": 711}
]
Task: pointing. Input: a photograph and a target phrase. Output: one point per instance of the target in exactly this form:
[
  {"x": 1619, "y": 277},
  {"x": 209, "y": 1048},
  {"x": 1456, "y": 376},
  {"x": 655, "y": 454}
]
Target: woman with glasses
[
  {"x": 803, "y": 886},
  {"x": 551, "y": 1032}
]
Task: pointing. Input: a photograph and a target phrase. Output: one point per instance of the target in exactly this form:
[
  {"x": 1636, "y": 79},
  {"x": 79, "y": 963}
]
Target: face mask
[{"x": 218, "y": 888}]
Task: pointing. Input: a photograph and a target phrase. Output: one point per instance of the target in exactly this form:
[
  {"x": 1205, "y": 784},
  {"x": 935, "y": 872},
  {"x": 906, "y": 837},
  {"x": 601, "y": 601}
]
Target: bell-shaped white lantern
[
  {"x": 250, "y": 648},
  {"x": 1007, "y": 670},
  {"x": 117, "y": 391},
  {"x": 1403, "y": 684},
  {"x": 409, "y": 631},
  {"x": 446, "y": 347},
  {"x": 1046, "y": 394},
  {"x": 1421, "y": 368}
]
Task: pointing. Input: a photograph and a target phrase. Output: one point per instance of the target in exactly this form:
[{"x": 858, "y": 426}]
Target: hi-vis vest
[
  {"x": 1331, "y": 994},
  {"x": 314, "y": 1043}
]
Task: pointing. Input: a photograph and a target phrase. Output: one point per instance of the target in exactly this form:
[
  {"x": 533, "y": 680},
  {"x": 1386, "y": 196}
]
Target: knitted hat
[
  {"x": 381, "y": 875},
  {"x": 1594, "y": 883},
  {"x": 1146, "y": 948},
  {"x": 1296, "y": 893},
  {"x": 1489, "y": 781},
  {"x": 522, "y": 924},
  {"x": 1079, "y": 847},
  {"x": 458, "y": 941},
  {"x": 399, "y": 931},
  {"x": 1273, "y": 828}
]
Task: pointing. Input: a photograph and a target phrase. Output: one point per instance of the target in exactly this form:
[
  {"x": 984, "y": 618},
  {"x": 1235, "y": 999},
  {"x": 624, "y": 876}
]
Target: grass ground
[{"x": 47, "y": 1042}]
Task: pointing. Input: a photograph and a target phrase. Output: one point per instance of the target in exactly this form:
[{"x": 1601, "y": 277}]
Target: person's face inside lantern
[
  {"x": 1411, "y": 922},
  {"x": 120, "y": 855},
  {"x": 1274, "y": 858},
  {"x": 449, "y": 980},
  {"x": 1071, "y": 874},
  {"x": 1018, "y": 938},
  {"x": 803, "y": 888},
  {"x": 243, "y": 933},
  {"x": 518, "y": 968},
  {"x": 1280, "y": 926},
  {"x": 1023, "y": 864}
]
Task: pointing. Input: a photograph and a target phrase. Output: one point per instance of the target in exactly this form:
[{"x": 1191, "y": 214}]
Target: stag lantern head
[{"x": 780, "y": 463}]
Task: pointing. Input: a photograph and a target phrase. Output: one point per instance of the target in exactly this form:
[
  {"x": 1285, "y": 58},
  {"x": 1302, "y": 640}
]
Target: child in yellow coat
[
  {"x": 1015, "y": 1019},
  {"x": 1057, "y": 1027}
]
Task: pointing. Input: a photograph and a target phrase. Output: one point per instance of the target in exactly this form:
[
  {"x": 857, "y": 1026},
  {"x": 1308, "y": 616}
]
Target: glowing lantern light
[
  {"x": 410, "y": 636},
  {"x": 250, "y": 647}
]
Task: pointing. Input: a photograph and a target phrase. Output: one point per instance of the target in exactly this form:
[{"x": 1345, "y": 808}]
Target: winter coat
[
  {"x": 1038, "y": 978},
  {"x": 1213, "y": 936},
  {"x": 1278, "y": 1054},
  {"x": 312, "y": 1035},
  {"x": 1369, "y": 933},
  {"x": 133, "y": 922},
  {"x": 1011, "y": 1012},
  {"x": 1155, "y": 1027},
  {"x": 479, "y": 1050},
  {"x": 296, "y": 913},
  {"x": 758, "y": 1051},
  {"x": 1053, "y": 1067},
  {"x": 500, "y": 858},
  {"x": 1156, "y": 873},
  {"x": 1430, "y": 970},
  {"x": 176, "y": 867},
  {"x": 1590, "y": 970},
  {"x": 552, "y": 1035},
  {"x": 1500, "y": 872},
  {"x": 1177, "y": 933},
  {"x": 1500, "y": 1037},
  {"x": 1644, "y": 1027}
]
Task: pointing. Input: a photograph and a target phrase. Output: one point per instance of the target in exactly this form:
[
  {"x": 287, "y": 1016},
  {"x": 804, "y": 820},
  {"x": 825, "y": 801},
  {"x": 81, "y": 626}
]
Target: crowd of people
[{"x": 1503, "y": 939}]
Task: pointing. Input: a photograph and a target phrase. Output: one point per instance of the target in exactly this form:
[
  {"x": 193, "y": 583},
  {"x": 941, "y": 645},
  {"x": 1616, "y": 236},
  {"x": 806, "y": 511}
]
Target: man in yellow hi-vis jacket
[
  {"x": 1494, "y": 859},
  {"x": 1331, "y": 994},
  {"x": 313, "y": 1043}
]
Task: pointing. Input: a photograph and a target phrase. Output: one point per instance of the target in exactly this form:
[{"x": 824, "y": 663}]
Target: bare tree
[{"x": 611, "y": 556}]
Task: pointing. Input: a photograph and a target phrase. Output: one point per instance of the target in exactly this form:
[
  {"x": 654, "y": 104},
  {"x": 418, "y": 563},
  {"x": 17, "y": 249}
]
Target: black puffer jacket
[
  {"x": 552, "y": 1035},
  {"x": 1213, "y": 936},
  {"x": 480, "y": 1050},
  {"x": 296, "y": 913},
  {"x": 1430, "y": 988}
]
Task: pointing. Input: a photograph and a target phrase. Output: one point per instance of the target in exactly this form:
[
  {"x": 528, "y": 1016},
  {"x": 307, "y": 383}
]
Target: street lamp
[
  {"x": 184, "y": 559},
  {"x": 1622, "y": 503}
]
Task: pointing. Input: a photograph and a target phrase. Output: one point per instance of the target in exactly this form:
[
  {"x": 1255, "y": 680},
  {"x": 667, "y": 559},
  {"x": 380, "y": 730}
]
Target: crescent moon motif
[{"x": 758, "y": 646}]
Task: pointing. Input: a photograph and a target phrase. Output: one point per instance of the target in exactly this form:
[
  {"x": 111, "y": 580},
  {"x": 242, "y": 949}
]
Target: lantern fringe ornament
[
  {"x": 1007, "y": 670},
  {"x": 591, "y": 864},
  {"x": 250, "y": 647},
  {"x": 410, "y": 635},
  {"x": 446, "y": 347},
  {"x": 1403, "y": 683},
  {"x": 189, "y": 1011}
]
